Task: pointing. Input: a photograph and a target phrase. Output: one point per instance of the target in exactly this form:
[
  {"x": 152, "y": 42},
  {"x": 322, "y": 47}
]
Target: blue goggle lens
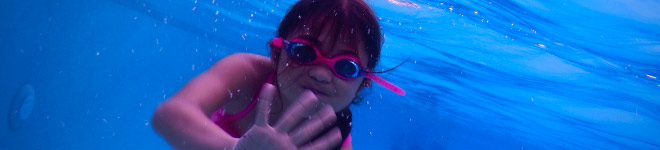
[
  {"x": 347, "y": 68},
  {"x": 302, "y": 52}
]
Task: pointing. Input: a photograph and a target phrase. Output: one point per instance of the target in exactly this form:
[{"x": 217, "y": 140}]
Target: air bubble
[{"x": 650, "y": 76}]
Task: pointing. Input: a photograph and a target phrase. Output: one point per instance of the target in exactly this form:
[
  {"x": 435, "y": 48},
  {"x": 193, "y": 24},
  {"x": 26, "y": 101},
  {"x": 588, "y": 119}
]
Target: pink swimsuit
[{"x": 222, "y": 120}]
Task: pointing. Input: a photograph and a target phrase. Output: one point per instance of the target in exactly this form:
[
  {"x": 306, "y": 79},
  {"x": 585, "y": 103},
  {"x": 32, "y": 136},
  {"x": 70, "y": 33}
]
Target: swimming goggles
[{"x": 343, "y": 66}]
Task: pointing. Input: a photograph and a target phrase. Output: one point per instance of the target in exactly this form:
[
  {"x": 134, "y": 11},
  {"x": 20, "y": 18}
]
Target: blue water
[{"x": 482, "y": 74}]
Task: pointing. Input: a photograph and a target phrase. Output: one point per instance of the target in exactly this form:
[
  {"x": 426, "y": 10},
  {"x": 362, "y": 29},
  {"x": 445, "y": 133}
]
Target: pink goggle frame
[{"x": 281, "y": 43}]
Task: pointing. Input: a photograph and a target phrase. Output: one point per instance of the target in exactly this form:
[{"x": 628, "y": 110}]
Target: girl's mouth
[{"x": 316, "y": 92}]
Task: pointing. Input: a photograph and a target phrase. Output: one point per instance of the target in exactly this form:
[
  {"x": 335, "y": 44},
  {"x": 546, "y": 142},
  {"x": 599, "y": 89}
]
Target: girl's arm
[{"x": 183, "y": 119}]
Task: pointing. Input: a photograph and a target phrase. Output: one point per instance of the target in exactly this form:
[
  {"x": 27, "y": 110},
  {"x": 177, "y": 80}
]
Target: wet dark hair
[{"x": 351, "y": 21}]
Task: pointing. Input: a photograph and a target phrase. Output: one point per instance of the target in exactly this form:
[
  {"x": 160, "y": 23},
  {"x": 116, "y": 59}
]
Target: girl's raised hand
[{"x": 289, "y": 133}]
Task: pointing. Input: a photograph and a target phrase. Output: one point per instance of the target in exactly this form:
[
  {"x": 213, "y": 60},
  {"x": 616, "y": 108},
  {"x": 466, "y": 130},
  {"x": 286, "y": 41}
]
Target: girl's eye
[{"x": 303, "y": 52}]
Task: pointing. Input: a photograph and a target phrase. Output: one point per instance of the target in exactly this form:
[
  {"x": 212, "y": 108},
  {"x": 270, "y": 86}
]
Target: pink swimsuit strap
[
  {"x": 245, "y": 111},
  {"x": 251, "y": 106},
  {"x": 221, "y": 119}
]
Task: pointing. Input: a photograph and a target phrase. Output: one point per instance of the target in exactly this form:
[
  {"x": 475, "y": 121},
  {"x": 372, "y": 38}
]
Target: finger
[
  {"x": 265, "y": 100},
  {"x": 323, "y": 119},
  {"x": 330, "y": 140},
  {"x": 300, "y": 109}
]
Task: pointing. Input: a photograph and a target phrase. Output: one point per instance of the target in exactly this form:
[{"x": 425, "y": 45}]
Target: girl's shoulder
[
  {"x": 241, "y": 74},
  {"x": 246, "y": 64},
  {"x": 221, "y": 83},
  {"x": 247, "y": 60}
]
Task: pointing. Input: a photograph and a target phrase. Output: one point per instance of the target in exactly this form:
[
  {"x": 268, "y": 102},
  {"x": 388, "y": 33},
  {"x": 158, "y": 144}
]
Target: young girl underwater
[{"x": 322, "y": 57}]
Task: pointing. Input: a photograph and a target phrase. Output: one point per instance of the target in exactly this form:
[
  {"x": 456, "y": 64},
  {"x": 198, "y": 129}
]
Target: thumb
[{"x": 264, "y": 103}]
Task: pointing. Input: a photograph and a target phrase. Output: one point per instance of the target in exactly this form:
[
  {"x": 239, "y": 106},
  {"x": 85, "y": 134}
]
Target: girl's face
[{"x": 294, "y": 78}]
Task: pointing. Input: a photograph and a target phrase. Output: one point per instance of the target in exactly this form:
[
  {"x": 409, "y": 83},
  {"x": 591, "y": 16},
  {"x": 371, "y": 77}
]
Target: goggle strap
[
  {"x": 278, "y": 42},
  {"x": 385, "y": 84}
]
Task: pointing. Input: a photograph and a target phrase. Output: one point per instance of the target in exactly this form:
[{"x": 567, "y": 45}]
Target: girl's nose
[{"x": 320, "y": 73}]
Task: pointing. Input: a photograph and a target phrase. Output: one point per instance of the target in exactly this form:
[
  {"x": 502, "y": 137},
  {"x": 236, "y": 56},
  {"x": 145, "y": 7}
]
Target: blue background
[{"x": 482, "y": 74}]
